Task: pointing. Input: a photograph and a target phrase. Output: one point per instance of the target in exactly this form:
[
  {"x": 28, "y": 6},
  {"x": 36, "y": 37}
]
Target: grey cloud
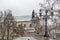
[{"x": 19, "y": 7}]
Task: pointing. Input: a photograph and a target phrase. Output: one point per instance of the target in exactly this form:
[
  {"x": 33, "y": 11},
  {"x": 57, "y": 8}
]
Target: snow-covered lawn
[
  {"x": 25, "y": 38},
  {"x": 55, "y": 39}
]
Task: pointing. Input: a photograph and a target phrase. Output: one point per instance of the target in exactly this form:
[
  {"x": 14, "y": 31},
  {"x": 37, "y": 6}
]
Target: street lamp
[
  {"x": 46, "y": 32},
  {"x": 45, "y": 17}
]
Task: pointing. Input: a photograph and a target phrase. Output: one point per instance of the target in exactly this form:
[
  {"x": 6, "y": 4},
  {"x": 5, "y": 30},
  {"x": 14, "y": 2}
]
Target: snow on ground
[
  {"x": 55, "y": 39},
  {"x": 25, "y": 38}
]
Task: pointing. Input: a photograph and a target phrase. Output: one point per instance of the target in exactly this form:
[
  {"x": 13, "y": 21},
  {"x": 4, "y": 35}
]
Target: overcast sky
[{"x": 20, "y": 7}]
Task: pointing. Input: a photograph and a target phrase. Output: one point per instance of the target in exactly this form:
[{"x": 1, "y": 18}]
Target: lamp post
[
  {"x": 45, "y": 17},
  {"x": 46, "y": 31}
]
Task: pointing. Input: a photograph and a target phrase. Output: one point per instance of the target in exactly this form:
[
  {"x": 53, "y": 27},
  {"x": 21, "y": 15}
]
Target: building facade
[
  {"x": 26, "y": 23},
  {"x": 24, "y": 20}
]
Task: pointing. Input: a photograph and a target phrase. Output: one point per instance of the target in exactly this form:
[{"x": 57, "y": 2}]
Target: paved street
[{"x": 25, "y": 38}]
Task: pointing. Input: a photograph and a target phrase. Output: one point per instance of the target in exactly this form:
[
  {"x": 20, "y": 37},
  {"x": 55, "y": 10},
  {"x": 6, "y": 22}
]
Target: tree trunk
[{"x": 8, "y": 33}]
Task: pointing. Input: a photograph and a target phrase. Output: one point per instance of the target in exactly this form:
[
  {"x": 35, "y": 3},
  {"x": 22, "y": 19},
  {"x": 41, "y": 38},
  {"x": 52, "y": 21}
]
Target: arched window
[
  {"x": 0, "y": 25},
  {"x": 30, "y": 25},
  {"x": 19, "y": 25},
  {"x": 24, "y": 25}
]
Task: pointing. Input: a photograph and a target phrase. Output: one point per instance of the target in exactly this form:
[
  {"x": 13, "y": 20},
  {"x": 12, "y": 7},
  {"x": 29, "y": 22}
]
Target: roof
[{"x": 23, "y": 18}]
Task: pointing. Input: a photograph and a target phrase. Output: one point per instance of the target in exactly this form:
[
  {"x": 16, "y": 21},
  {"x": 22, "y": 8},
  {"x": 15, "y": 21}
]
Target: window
[
  {"x": 19, "y": 25},
  {"x": 0, "y": 25},
  {"x": 30, "y": 25},
  {"x": 24, "y": 25}
]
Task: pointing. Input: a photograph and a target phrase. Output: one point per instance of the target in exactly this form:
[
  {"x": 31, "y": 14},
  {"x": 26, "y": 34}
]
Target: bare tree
[
  {"x": 1, "y": 17},
  {"x": 50, "y": 4},
  {"x": 8, "y": 22}
]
